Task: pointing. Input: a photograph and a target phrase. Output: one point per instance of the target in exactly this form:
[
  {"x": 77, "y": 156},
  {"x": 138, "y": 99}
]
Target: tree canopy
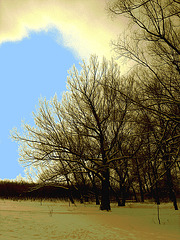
[{"x": 119, "y": 133}]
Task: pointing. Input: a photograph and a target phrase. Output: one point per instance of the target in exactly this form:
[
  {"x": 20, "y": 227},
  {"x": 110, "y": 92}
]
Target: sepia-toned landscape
[{"x": 101, "y": 152}]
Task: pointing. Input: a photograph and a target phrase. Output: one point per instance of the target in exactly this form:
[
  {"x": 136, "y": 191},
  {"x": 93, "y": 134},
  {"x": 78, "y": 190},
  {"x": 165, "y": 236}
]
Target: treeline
[
  {"x": 120, "y": 134},
  {"x": 82, "y": 193},
  {"x": 24, "y": 190}
]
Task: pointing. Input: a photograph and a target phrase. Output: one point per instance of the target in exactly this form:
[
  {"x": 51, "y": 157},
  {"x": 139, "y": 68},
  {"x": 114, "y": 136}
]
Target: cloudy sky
[{"x": 39, "y": 42}]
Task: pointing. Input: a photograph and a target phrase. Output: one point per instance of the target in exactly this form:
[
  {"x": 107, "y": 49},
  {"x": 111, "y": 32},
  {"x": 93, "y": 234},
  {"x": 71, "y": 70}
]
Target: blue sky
[
  {"x": 34, "y": 67},
  {"x": 39, "y": 43}
]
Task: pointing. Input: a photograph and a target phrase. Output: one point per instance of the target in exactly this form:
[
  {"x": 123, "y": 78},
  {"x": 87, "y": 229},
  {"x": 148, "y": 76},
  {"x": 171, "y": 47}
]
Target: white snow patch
[{"x": 57, "y": 220}]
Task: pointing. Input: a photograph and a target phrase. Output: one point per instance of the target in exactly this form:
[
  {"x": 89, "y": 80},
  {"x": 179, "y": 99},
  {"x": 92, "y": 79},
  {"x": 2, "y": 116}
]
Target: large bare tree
[{"x": 80, "y": 133}]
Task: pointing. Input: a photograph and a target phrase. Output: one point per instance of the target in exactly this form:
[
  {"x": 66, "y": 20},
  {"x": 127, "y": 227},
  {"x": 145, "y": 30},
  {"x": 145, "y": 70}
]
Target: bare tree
[
  {"x": 79, "y": 134},
  {"x": 154, "y": 46}
]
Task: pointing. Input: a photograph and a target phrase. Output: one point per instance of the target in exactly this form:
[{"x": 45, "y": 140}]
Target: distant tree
[{"x": 154, "y": 44}]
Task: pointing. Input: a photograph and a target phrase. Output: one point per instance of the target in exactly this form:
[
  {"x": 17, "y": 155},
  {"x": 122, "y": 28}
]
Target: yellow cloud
[{"x": 83, "y": 24}]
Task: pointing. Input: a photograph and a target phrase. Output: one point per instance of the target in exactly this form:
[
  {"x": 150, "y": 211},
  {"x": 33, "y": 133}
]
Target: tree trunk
[
  {"x": 116, "y": 196},
  {"x": 70, "y": 196},
  {"x": 97, "y": 198},
  {"x": 172, "y": 194},
  {"x": 156, "y": 194},
  {"x": 105, "y": 198},
  {"x": 123, "y": 195},
  {"x": 140, "y": 181},
  {"x": 134, "y": 192},
  {"x": 167, "y": 165},
  {"x": 95, "y": 190}
]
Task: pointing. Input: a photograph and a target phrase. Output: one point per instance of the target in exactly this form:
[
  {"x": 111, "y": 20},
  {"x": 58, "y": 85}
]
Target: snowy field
[{"x": 57, "y": 220}]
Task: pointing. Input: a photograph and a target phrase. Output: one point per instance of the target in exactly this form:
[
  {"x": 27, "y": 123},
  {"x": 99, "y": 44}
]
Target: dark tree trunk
[
  {"x": 167, "y": 165},
  {"x": 105, "y": 198},
  {"x": 131, "y": 186},
  {"x": 116, "y": 196},
  {"x": 172, "y": 194},
  {"x": 70, "y": 196},
  {"x": 68, "y": 183},
  {"x": 141, "y": 189},
  {"x": 78, "y": 188},
  {"x": 154, "y": 191},
  {"x": 122, "y": 195},
  {"x": 156, "y": 194},
  {"x": 95, "y": 190},
  {"x": 96, "y": 195},
  {"x": 134, "y": 192},
  {"x": 140, "y": 182}
]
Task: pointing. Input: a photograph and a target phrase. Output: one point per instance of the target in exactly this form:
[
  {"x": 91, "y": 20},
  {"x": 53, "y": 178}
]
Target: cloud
[{"x": 84, "y": 25}]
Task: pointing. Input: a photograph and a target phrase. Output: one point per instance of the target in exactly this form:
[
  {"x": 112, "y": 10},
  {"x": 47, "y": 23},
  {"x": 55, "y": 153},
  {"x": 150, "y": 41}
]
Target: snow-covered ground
[{"x": 57, "y": 220}]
